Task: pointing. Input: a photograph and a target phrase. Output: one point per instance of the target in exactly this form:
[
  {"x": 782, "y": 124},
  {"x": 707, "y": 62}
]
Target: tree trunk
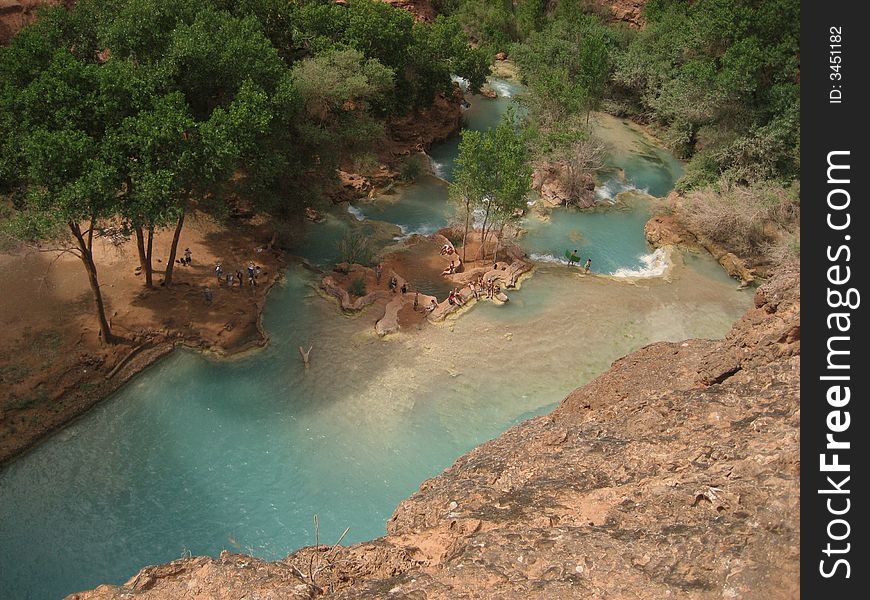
[
  {"x": 149, "y": 254},
  {"x": 170, "y": 262},
  {"x": 144, "y": 255},
  {"x": 483, "y": 232},
  {"x": 465, "y": 235},
  {"x": 88, "y": 259}
]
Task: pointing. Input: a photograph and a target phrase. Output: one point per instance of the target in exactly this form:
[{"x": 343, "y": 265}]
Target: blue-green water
[
  {"x": 612, "y": 238},
  {"x": 421, "y": 208},
  {"x": 200, "y": 455},
  {"x": 633, "y": 161}
]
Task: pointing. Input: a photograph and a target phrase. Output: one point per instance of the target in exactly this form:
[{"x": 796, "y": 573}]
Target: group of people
[
  {"x": 394, "y": 282},
  {"x": 230, "y": 278},
  {"x": 185, "y": 260},
  {"x": 479, "y": 287},
  {"x": 491, "y": 287}
]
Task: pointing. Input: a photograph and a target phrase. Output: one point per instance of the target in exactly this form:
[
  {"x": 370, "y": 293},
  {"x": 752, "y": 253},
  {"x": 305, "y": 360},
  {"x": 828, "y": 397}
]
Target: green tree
[
  {"x": 722, "y": 77},
  {"x": 59, "y": 163},
  {"x": 157, "y": 155},
  {"x": 594, "y": 69},
  {"x": 337, "y": 92},
  {"x": 492, "y": 175},
  {"x": 530, "y": 16}
]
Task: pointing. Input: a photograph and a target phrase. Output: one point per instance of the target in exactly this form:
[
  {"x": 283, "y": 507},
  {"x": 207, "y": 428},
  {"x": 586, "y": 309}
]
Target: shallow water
[
  {"x": 613, "y": 238},
  {"x": 634, "y": 160},
  {"x": 199, "y": 455},
  {"x": 418, "y": 209}
]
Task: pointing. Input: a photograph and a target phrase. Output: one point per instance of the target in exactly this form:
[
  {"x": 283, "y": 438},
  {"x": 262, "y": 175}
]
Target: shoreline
[
  {"x": 95, "y": 372},
  {"x": 136, "y": 365},
  {"x": 106, "y": 382}
]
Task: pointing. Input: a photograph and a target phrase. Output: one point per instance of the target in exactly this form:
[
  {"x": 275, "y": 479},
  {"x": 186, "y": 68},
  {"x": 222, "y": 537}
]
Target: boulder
[{"x": 736, "y": 268}]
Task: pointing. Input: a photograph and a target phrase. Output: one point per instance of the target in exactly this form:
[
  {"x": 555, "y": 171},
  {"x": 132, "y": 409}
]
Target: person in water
[
  {"x": 588, "y": 265},
  {"x": 573, "y": 258}
]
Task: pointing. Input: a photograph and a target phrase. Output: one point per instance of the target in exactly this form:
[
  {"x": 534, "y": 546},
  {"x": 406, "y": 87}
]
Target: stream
[{"x": 197, "y": 455}]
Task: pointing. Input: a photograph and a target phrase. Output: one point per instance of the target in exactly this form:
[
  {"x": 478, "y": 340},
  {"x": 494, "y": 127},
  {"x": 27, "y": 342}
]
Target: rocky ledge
[{"x": 674, "y": 474}]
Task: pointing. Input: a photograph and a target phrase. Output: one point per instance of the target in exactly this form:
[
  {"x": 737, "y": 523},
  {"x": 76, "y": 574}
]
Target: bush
[
  {"x": 354, "y": 248},
  {"x": 412, "y": 167},
  {"x": 746, "y": 220},
  {"x": 358, "y": 287},
  {"x": 786, "y": 251}
]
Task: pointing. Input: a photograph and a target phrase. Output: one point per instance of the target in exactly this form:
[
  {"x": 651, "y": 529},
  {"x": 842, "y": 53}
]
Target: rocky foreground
[{"x": 674, "y": 474}]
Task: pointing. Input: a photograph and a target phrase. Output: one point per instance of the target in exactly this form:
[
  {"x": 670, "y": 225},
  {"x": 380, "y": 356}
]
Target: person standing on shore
[
  {"x": 219, "y": 271},
  {"x": 379, "y": 270},
  {"x": 588, "y": 266}
]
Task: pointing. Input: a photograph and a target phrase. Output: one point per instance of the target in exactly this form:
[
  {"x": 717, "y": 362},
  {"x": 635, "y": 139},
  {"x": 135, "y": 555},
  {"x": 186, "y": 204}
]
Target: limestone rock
[
  {"x": 736, "y": 268},
  {"x": 228, "y": 577},
  {"x": 665, "y": 230}
]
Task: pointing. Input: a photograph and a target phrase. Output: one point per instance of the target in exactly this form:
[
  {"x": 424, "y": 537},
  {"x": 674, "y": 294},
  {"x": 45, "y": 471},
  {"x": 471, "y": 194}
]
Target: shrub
[
  {"x": 412, "y": 167},
  {"x": 358, "y": 287},
  {"x": 747, "y": 220},
  {"x": 354, "y": 248}
]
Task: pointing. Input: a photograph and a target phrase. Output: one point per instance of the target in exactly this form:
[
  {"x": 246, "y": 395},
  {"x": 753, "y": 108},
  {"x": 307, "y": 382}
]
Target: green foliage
[
  {"x": 492, "y": 170},
  {"x": 422, "y": 57},
  {"x": 337, "y": 91},
  {"x": 491, "y": 23},
  {"x": 725, "y": 67},
  {"x": 530, "y": 16},
  {"x": 357, "y": 287},
  {"x": 412, "y": 167},
  {"x": 567, "y": 66}
]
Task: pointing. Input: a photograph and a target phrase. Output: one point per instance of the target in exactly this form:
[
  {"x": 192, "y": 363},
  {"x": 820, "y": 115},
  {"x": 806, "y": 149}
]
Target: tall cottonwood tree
[
  {"x": 56, "y": 113},
  {"x": 492, "y": 175}
]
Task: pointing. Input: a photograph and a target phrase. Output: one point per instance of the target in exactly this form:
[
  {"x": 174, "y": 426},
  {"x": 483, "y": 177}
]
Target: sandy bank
[{"x": 53, "y": 367}]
